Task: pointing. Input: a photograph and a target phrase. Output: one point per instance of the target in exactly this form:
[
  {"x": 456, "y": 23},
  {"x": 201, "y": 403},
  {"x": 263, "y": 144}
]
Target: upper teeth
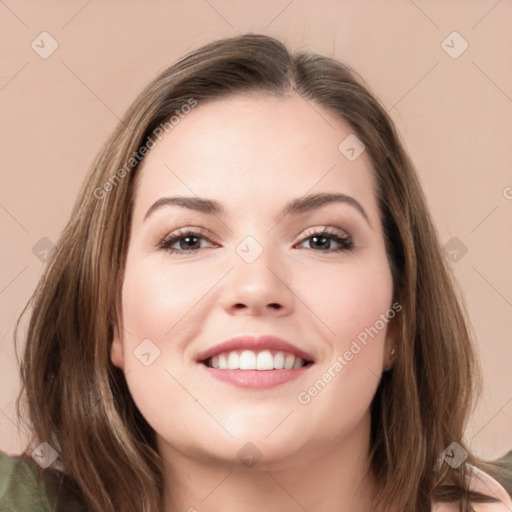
[{"x": 250, "y": 360}]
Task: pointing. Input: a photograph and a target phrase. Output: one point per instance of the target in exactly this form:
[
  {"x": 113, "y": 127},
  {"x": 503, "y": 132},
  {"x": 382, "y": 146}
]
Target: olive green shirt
[{"x": 26, "y": 487}]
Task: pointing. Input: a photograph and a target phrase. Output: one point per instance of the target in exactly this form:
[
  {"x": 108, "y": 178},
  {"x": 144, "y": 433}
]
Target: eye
[
  {"x": 324, "y": 239},
  {"x": 187, "y": 241}
]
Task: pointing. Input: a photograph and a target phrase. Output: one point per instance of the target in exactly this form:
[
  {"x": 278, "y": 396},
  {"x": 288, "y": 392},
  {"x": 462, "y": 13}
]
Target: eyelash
[{"x": 345, "y": 242}]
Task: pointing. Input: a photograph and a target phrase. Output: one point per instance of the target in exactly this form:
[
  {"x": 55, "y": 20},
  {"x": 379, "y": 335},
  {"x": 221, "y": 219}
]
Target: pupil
[
  {"x": 188, "y": 239},
  {"x": 325, "y": 239}
]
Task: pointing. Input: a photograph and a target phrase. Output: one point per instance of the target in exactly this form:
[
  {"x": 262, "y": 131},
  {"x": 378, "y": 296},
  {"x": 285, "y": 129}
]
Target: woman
[{"x": 249, "y": 308}]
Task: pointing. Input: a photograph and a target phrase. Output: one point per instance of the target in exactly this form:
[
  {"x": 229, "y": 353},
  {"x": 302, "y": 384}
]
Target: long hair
[{"x": 76, "y": 399}]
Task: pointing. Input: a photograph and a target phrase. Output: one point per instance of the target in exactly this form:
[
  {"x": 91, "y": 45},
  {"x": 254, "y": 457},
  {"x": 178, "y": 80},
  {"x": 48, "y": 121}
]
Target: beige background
[{"x": 454, "y": 115}]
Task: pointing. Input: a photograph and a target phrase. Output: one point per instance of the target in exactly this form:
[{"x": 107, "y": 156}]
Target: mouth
[
  {"x": 262, "y": 360},
  {"x": 256, "y": 363}
]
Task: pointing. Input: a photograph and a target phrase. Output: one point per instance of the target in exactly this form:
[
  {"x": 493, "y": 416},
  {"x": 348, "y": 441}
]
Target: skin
[{"x": 253, "y": 154}]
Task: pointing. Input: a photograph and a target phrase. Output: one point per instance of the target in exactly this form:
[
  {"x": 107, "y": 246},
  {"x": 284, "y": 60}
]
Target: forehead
[{"x": 243, "y": 148}]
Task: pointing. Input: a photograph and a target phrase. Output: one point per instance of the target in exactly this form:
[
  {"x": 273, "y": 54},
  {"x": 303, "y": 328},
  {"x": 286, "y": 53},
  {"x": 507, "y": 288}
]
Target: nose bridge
[{"x": 258, "y": 281}]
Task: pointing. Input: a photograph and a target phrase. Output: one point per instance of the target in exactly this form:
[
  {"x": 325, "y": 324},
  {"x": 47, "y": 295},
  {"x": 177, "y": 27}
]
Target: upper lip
[{"x": 248, "y": 342}]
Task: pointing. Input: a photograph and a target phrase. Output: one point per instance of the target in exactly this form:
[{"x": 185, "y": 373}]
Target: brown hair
[{"x": 78, "y": 399}]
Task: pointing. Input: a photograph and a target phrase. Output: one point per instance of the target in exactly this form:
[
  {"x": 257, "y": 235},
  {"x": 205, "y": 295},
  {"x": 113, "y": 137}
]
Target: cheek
[
  {"x": 157, "y": 296},
  {"x": 348, "y": 299},
  {"x": 352, "y": 302},
  {"x": 163, "y": 307},
  {"x": 158, "y": 312}
]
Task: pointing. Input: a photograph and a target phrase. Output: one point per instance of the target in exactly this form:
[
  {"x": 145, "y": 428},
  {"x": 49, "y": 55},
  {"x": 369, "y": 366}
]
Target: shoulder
[
  {"x": 19, "y": 488},
  {"x": 485, "y": 484},
  {"x": 26, "y": 487}
]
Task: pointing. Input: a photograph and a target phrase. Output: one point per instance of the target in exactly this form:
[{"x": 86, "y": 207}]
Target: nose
[{"x": 262, "y": 287}]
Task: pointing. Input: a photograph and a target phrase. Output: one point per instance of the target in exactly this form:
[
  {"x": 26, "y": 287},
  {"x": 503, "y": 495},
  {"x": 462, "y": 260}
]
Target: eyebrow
[{"x": 294, "y": 207}]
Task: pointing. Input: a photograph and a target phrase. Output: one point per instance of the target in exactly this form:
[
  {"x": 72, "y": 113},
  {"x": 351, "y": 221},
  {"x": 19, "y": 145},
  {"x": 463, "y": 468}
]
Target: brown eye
[
  {"x": 185, "y": 242},
  {"x": 325, "y": 239}
]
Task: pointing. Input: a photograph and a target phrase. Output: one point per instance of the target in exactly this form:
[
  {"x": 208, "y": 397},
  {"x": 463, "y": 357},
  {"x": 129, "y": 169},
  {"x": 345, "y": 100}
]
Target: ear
[
  {"x": 390, "y": 344},
  {"x": 116, "y": 350}
]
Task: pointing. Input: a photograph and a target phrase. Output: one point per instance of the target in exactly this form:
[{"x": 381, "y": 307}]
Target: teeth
[
  {"x": 297, "y": 363},
  {"x": 265, "y": 361},
  {"x": 247, "y": 360},
  {"x": 288, "y": 362},
  {"x": 279, "y": 361},
  {"x": 250, "y": 360},
  {"x": 233, "y": 361}
]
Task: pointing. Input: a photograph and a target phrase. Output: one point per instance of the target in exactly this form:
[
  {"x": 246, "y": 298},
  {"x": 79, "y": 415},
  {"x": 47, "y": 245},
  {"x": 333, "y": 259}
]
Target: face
[{"x": 317, "y": 277}]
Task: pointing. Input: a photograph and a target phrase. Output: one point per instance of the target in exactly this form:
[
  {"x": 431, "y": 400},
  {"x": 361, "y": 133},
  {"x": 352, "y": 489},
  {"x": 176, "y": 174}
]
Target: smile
[{"x": 255, "y": 360}]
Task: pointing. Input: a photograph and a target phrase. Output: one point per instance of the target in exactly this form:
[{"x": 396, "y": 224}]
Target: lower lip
[{"x": 256, "y": 379}]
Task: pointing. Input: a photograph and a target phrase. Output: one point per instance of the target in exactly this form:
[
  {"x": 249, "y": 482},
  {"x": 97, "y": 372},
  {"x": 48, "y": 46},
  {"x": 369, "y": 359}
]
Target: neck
[{"x": 327, "y": 476}]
